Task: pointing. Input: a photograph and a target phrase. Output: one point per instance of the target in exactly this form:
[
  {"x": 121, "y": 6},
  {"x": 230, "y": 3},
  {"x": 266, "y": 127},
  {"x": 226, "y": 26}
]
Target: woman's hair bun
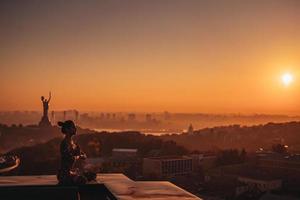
[
  {"x": 65, "y": 126},
  {"x": 60, "y": 124}
]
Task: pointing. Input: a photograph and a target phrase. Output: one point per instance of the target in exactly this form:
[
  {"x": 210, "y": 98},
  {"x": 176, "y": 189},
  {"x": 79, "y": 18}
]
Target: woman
[{"x": 70, "y": 152}]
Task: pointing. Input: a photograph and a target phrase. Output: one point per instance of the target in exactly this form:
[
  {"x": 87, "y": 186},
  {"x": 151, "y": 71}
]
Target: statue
[
  {"x": 46, "y": 104},
  {"x": 45, "y": 120}
]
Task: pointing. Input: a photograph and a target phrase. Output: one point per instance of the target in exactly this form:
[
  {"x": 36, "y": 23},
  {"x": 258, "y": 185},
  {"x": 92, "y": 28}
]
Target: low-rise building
[
  {"x": 284, "y": 162},
  {"x": 262, "y": 184},
  {"x": 208, "y": 161},
  {"x": 116, "y": 152},
  {"x": 167, "y": 166}
]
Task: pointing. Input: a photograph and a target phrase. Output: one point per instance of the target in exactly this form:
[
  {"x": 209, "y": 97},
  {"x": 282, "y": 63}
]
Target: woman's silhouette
[{"x": 70, "y": 152}]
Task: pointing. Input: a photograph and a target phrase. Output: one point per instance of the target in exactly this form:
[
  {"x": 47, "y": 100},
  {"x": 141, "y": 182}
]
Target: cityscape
[
  {"x": 221, "y": 162},
  {"x": 125, "y": 100}
]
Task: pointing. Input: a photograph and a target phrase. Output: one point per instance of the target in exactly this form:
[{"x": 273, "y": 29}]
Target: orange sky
[{"x": 180, "y": 56}]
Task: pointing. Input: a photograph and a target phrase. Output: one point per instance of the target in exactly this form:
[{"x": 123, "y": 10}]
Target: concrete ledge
[{"x": 107, "y": 186}]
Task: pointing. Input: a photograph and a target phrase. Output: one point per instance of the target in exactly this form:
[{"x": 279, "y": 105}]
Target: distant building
[
  {"x": 127, "y": 165},
  {"x": 167, "y": 115},
  {"x": 148, "y": 118},
  {"x": 102, "y": 116},
  {"x": 167, "y": 166},
  {"x": 190, "y": 130},
  {"x": 122, "y": 160},
  {"x": 131, "y": 117},
  {"x": 262, "y": 184},
  {"x": 287, "y": 163},
  {"x": 53, "y": 117},
  {"x": 124, "y": 152},
  {"x": 64, "y": 115},
  {"x": 76, "y": 115},
  {"x": 204, "y": 161}
]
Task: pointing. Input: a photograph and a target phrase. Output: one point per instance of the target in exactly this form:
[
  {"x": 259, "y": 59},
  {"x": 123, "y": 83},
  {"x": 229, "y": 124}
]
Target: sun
[{"x": 287, "y": 79}]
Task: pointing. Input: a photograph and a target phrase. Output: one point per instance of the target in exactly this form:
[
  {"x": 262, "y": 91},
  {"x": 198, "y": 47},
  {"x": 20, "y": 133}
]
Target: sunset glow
[
  {"x": 149, "y": 56},
  {"x": 287, "y": 79}
]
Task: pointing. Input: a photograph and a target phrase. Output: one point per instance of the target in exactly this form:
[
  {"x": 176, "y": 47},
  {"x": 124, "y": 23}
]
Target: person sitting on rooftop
[{"x": 70, "y": 152}]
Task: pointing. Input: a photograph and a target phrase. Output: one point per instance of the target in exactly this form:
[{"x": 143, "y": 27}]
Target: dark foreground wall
[{"x": 56, "y": 192}]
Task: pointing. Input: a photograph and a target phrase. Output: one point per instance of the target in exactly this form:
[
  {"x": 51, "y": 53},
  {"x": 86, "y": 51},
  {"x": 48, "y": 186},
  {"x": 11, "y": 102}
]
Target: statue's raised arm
[{"x": 49, "y": 97}]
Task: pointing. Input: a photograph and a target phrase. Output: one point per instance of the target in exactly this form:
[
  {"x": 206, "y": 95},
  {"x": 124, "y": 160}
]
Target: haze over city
[
  {"x": 150, "y": 99},
  {"x": 151, "y": 56}
]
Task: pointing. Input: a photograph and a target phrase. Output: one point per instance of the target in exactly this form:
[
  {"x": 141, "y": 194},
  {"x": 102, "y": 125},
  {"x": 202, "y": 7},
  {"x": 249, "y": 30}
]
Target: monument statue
[
  {"x": 45, "y": 120},
  {"x": 46, "y": 104}
]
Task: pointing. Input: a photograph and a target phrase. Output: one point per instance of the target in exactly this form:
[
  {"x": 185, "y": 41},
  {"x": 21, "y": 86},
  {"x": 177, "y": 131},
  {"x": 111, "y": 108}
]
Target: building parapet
[{"x": 107, "y": 186}]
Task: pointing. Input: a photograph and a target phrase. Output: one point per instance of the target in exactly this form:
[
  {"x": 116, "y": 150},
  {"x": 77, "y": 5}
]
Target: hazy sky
[{"x": 155, "y": 55}]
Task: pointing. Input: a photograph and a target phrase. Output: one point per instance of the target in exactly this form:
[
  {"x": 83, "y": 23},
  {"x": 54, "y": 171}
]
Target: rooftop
[
  {"x": 279, "y": 157},
  {"x": 124, "y": 150},
  {"x": 264, "y": 178},
  {"x": 108, "y": 186},
  {"x": 170, "y": 158}
]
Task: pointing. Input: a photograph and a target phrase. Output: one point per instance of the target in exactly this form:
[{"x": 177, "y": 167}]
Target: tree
[{"x": 279, "y": 148}]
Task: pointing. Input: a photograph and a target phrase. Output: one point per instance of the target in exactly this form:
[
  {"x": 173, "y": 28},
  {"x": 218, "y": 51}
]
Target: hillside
[{"x": 235, "y": 136}]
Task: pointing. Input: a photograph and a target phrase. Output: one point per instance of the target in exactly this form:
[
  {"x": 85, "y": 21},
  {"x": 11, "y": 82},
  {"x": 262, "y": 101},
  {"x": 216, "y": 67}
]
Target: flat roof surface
[
  {"x": 125, "y": 150},
  {"x": 119, "y": 185},
  {"x": 170, "y": 158},
  {"x": 259, "y": 178}
]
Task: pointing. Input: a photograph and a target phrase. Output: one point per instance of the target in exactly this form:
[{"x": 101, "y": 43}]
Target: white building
[{"x": 167, "y": 166}]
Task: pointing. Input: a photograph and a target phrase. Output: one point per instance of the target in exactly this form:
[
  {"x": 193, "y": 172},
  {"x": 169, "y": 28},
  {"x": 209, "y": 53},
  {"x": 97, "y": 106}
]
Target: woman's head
[{"x": 68, "y": 127}]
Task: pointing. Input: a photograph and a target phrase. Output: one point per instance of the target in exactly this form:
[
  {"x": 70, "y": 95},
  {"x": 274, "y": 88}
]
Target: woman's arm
[{"x": 78, "y": 153}]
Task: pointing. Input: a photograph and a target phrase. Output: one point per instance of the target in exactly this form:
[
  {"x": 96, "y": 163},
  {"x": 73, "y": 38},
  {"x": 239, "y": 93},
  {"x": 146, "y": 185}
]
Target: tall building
[
  {"x": 53, "y": 116},
  {"x": 148, "y": 118},
  {"x": 190, "y": 130},
  {"x": 65, "y": 115},
  {"x": 76, "y": 114},
  {"x": 167, "y": 115},
  {"x": 131, "y": 117}
]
